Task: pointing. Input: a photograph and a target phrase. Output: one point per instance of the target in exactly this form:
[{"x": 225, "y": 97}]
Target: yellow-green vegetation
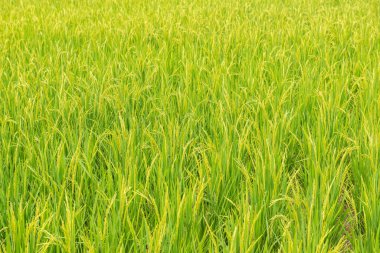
[{"x": 190, "y": 126}]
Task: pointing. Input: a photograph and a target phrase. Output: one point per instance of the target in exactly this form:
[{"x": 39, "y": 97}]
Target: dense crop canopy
[{"x": 190, "y": 126}]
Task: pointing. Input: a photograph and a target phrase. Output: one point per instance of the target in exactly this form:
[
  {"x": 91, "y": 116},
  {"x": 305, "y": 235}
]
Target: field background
[{"x": 190, "y": 126}]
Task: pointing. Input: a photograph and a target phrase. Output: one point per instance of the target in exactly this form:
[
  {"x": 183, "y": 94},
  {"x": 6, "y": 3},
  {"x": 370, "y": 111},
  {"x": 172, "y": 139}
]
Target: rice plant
[{"x": 190, "y": 126}]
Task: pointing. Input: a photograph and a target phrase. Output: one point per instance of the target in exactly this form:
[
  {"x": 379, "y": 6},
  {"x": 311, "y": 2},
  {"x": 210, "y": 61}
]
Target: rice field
[{"x": 190, "y": 126}]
